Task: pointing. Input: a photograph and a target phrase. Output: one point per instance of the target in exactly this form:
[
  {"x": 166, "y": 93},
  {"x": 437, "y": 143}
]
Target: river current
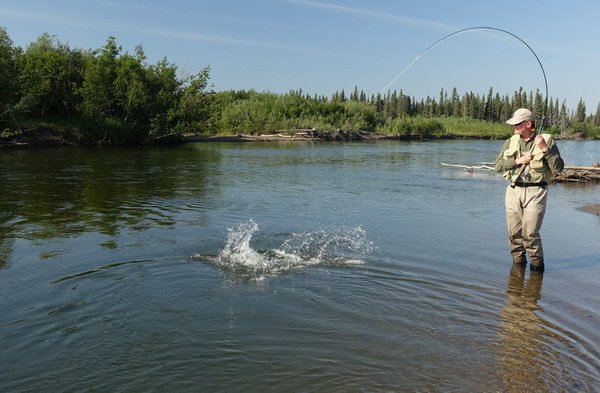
[{"x": 294, "y": 267}]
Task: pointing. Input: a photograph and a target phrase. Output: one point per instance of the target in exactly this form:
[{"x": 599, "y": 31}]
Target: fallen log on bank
[{"x": 584, "y": 174}]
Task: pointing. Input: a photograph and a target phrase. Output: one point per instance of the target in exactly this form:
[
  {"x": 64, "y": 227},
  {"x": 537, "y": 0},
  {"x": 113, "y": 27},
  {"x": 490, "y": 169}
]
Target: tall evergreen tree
[
  {"x": 507, "y": 108},
  {"x": 455, "y": 103},
  {"x": 354, "y": 94},
  {"x": 404, "y": 105},
  {"x": 555, "y": 113},
  {"x": 563, "y": 117},
  {"x": 487, "y": 110},
  {"x": 497, "y": 108},
  {"x": 526, "y": 102},
  {"x": 379, "y": 103},
  {"x": 538, "y": 108},
  {"x": 517, "y": 100},
  {"x": 441, "y": 104},
  {"x": 596, "y": 120},
  {"x": 580, "y": 112}
]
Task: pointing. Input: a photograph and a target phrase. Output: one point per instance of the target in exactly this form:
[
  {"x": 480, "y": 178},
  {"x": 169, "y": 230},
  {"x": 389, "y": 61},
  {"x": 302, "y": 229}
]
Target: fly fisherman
[{"x": 529, "y": 162}]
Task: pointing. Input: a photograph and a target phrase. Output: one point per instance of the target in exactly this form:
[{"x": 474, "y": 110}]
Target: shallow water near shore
[{"x": 298, "y": 266}]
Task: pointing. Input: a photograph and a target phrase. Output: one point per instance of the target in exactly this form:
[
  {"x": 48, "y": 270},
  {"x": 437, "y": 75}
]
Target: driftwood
[
  {"x": 582, "y": 174},
  {"x": 470, "y": 168}
]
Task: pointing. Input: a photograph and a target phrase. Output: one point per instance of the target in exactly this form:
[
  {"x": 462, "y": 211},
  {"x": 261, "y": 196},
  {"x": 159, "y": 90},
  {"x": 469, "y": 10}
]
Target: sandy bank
[{"x": 593, "y": 208}]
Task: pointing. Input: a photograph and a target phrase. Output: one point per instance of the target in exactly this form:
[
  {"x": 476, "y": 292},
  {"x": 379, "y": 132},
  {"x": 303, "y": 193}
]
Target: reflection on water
[
  {"x": 522, "y": 334},
  {"x": 530, "y": 356},
  {"x": 69, "y": 192},
  {"x": 77, "y": 190}
]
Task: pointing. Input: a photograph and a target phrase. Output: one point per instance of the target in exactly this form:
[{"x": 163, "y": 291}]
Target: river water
[{"x": 252, "y": 267}]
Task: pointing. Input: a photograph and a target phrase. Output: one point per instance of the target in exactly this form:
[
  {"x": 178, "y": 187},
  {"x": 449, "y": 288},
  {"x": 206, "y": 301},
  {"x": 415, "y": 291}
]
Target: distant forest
[{"x": 106, "y": 95}]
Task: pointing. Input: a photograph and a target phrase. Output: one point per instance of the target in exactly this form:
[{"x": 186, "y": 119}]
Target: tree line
[
  {"x": 111, "y": 96},
  {"x": 491, "y": 107}
]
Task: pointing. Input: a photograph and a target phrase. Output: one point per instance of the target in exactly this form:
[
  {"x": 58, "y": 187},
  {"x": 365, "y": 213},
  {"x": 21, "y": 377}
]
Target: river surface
[{"x": 294, "y": 267}]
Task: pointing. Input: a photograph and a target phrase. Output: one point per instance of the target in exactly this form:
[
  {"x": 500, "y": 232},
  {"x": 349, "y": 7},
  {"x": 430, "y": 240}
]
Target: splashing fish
[{"x": 341, "y": 247}]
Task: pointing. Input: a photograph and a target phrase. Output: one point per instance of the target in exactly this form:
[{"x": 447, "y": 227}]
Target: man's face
[{"x": 521, "y": 128}]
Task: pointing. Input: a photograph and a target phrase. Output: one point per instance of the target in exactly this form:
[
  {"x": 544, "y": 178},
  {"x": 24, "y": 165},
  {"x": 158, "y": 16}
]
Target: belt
[{"x": 542, "y": 184}]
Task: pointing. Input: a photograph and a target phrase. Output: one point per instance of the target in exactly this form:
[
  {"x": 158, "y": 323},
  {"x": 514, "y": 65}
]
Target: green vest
[{"x": 536, "y": 171}]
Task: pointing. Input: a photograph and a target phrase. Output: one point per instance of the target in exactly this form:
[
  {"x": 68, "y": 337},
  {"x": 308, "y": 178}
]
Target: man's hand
[
  {"x": 524, "y": 159},
  {"x": 541, "y": 143}
]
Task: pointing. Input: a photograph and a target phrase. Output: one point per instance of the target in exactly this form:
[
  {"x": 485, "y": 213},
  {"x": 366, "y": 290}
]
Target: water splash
[{"x": 283, "y": 253}]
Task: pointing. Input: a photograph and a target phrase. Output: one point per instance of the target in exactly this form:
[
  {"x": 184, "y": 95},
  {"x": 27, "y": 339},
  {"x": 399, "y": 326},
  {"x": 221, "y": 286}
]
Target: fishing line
[{"x": 479, "y": 28}]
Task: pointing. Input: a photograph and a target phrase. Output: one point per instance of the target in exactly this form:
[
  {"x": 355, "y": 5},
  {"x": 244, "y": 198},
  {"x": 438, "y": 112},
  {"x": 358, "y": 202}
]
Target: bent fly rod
[{"x": 430, "y": 47}]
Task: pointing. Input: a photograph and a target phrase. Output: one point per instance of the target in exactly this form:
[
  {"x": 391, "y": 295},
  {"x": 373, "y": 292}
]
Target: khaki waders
[{"x": 525, "y": 208}]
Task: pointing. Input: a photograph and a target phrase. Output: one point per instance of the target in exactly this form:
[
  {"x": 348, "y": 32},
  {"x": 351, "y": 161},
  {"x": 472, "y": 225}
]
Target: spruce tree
[
  {"x": 455, "y": 103},
  {"x": 580, "y": 112},
  {"x": 596, "y": 120},
  {"x": 517, "y": 100},
  {"x": 487, "y": 109},
  {"x": 507, "y": 108},
  {"x": 563, "y": 118},
  {"x": 555, "y": 114}
]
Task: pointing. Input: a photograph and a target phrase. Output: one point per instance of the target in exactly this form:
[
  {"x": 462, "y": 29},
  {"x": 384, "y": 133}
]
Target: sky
[{"x": 323, "y": 46}]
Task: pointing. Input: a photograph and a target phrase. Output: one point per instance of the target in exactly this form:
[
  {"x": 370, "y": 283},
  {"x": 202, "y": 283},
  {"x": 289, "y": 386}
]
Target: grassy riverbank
[{"x": 49, "y": 132}]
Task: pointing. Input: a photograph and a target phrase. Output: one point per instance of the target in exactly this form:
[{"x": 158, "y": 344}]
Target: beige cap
[{"x": 520, "y": 115}]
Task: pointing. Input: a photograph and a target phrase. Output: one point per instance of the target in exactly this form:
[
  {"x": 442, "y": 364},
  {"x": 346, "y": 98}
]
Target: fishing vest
[{"x": 536, "y": 171}]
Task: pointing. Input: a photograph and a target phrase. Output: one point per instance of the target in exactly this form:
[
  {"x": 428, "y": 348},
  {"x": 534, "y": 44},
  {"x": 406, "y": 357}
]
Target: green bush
[
  {"x": 473, "y": 128},
  {"x": 420, "y": 128},
  {"x": 267, "y": 112}
]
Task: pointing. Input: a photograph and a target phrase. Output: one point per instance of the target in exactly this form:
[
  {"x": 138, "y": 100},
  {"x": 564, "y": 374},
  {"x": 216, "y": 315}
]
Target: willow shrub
[
  {"x": 414, "y": 127},
  {"x": 253, "y": 112},
  {"x": 594, "y": 132},
  {"x": 586, "y": 130},
  {"x": 473, "y": 128}
]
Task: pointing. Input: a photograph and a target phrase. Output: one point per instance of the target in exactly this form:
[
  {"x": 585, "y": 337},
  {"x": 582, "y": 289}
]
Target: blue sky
[{"x": 321, "y": 46}]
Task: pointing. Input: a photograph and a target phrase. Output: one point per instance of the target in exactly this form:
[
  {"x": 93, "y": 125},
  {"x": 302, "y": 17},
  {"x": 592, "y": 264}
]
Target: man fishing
[{"x": 529, "y": 161}]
